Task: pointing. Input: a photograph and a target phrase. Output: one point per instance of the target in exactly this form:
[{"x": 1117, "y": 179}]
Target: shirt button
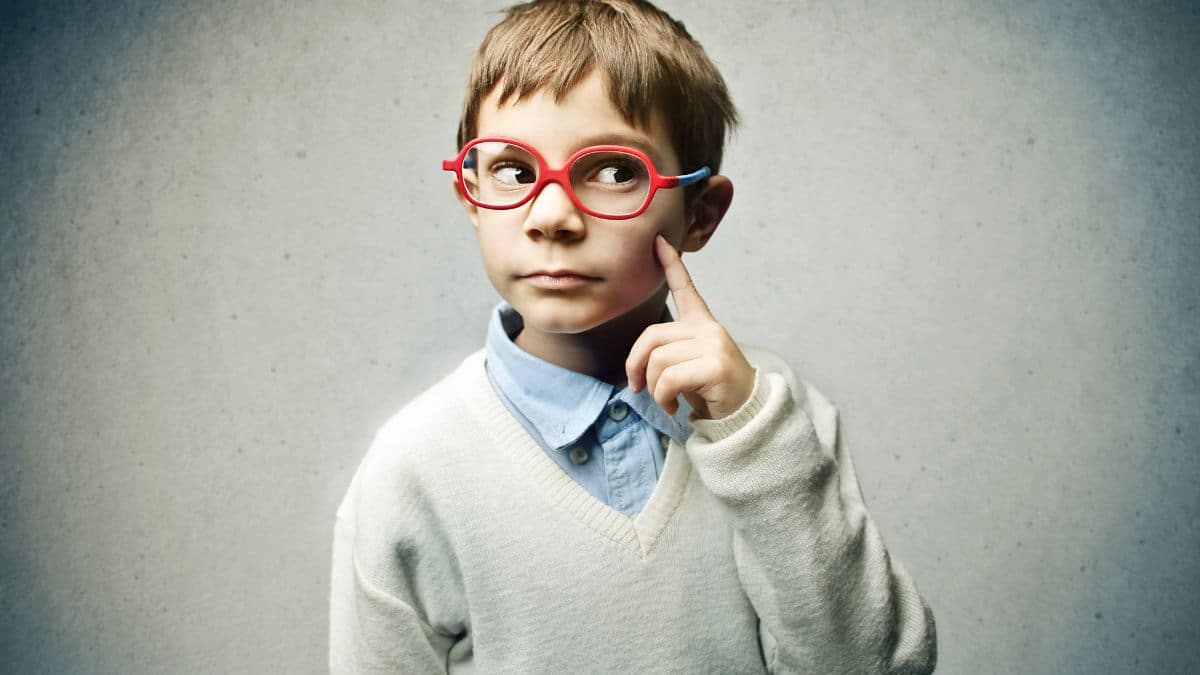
[
  {"x": 666, "y": 440},
  {"x": 579, "y": 455},
  {"x": 618, "y": 411}
]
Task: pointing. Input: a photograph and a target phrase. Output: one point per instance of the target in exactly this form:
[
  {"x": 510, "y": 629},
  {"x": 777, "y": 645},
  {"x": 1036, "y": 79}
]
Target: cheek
[
  {"x": 495, "y": 236},
  {"x": 640, "y": 272},
  {"x": 493, "y": 251}
]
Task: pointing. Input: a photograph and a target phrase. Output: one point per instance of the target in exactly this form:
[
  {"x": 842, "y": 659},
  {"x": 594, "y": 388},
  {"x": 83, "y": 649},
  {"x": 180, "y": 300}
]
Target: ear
[
  {"x": 707, "y": 210},
  {"x": 471, "y": 209}
]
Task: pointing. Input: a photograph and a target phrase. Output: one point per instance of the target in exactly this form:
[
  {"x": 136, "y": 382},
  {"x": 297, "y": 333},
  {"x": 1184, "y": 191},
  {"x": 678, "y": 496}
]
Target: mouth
[
  {"x": 558, "y": 279},
  {"x": 558, "y": 273}
]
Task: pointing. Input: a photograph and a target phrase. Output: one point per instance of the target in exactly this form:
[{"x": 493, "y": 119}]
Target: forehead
[{"x": 584, "y": 116}]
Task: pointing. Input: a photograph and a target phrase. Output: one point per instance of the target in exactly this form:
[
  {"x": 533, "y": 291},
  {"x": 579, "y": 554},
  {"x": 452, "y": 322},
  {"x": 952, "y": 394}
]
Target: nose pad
[{"x": 553, "y": 214}]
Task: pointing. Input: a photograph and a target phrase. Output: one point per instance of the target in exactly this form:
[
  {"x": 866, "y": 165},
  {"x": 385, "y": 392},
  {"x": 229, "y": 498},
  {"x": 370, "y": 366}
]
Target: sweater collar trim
[{"x": 636, "y": 535}]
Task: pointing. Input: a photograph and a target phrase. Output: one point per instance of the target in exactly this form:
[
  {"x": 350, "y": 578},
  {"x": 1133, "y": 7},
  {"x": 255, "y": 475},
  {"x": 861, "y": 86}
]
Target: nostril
[{"x": 555, "y": 217}]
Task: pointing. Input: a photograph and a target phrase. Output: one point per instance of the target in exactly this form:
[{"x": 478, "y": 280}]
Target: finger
[
  {"x": 687, "y": 298},
  {"x": 668, "y": 355},
  {"x": 651, "y": 338},
  {"x": 685, "y": 376}
]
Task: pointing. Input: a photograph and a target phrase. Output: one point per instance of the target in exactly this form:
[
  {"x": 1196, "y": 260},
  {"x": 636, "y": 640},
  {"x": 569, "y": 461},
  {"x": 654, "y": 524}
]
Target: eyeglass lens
[{"x": 608, "y": 182}]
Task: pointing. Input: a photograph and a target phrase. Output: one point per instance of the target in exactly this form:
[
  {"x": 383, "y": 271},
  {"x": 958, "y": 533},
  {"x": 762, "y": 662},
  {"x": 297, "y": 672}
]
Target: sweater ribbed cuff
[{"x": 715, "y": 430}]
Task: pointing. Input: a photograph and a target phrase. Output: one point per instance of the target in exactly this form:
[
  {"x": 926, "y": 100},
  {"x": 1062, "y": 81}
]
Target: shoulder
[
  {"x": 392, "y": 517},
  {"x": 426, "y": 437},
  {"x": 425, "y": 417},
  {"x": 804, "y": 395}
]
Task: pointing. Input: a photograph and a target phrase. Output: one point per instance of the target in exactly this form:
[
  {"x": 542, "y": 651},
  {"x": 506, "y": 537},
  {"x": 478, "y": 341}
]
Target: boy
[{"x": 553, "y": 505}]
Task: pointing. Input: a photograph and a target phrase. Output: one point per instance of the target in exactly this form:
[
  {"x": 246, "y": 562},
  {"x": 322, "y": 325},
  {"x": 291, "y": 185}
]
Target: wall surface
[{"x": 228, "y": 253}]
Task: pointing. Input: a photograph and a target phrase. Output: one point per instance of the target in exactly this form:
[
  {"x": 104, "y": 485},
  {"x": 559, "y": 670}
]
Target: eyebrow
[{"x": 619, "y": 138}]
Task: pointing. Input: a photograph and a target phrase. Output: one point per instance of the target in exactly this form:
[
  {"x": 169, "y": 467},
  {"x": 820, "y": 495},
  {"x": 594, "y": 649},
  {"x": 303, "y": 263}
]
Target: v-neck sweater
[
  {"x": 461, "y": 547},
  {"x": 608, "y": 438}
]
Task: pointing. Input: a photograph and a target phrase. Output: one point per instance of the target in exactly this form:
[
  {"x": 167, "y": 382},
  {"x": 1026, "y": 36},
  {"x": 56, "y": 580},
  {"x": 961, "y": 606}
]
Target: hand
[{"x": 692, "y": 355}]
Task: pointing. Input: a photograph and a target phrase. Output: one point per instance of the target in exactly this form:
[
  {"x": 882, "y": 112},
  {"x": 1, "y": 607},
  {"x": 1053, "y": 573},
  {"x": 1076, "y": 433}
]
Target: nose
[{"x": 552, "y": 214}]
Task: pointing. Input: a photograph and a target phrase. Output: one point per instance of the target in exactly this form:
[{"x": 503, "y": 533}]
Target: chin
[
  {"x": 563, "y": 316},
  {"x": 573, "y": 315}
]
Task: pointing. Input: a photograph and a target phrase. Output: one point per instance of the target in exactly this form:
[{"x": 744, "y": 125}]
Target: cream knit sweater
[{"x": 461, "y": 547}]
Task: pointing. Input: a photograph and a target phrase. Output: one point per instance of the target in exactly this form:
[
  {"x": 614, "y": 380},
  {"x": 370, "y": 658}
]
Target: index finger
[{"x": 687, "y": 298}]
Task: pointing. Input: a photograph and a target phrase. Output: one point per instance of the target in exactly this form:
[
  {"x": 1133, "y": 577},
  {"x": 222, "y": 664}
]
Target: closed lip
[{"x": 558, "y": 273}]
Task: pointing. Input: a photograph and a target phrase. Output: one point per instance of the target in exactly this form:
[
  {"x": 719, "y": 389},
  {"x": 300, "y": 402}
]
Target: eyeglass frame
[{"x": 562, "y": 175}]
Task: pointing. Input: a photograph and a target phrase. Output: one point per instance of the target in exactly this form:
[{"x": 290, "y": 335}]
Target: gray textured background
[{"x": 227, "y": 254}]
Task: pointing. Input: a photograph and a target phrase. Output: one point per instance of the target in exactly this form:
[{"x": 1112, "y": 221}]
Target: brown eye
[
  {"x": 513, "y": 174},
  {"x": 617, "y": 173}
]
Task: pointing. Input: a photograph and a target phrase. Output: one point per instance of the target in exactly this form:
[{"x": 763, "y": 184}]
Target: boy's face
[{"x": 550, "y": 233}]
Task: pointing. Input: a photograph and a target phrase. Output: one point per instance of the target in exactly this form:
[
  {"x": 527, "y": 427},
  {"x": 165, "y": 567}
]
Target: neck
[{"x": 601, "y": 351}]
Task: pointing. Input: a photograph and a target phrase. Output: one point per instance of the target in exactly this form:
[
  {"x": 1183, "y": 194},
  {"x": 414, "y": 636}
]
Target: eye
[
  {"x": 513, "y": 173},
  {"x": 619, "y": 172}
]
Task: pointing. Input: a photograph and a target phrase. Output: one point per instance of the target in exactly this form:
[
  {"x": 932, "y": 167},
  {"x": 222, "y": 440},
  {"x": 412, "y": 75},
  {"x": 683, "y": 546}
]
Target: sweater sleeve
[
  {"x": 829, "y": 597},
  {"x": 389, "y": 592}
]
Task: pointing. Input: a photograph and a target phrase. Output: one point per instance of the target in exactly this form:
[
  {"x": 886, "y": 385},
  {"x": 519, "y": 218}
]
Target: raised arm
[{"x": 830, "y": 598}]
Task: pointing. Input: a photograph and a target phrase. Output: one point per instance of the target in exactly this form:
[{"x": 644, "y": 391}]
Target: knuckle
[
  {"x": 666, "y": 379},
  {"x": 656, "y": 360},
  {"x": 631, "y": 361},
  {"x": 660, "y": 386}
]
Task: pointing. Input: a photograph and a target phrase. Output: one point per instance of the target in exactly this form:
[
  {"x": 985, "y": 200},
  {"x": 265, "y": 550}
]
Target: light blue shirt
[{"x": 611, "y": 441}]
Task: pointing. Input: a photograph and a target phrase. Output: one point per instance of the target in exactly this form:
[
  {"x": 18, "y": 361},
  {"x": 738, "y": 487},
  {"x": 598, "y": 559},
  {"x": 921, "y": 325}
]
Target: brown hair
[{"x": 651, "y": 62}]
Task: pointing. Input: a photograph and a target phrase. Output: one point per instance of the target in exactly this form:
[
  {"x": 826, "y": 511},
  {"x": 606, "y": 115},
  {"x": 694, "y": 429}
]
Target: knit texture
[{"x": 461, "y": 547}]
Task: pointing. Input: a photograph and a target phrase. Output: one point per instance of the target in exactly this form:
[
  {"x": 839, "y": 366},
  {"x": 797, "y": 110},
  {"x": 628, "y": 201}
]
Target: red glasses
[{"x": 606, "y": 181}]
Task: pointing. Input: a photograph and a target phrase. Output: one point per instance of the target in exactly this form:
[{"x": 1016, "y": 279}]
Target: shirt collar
[{"x": 561, "y": 403}]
